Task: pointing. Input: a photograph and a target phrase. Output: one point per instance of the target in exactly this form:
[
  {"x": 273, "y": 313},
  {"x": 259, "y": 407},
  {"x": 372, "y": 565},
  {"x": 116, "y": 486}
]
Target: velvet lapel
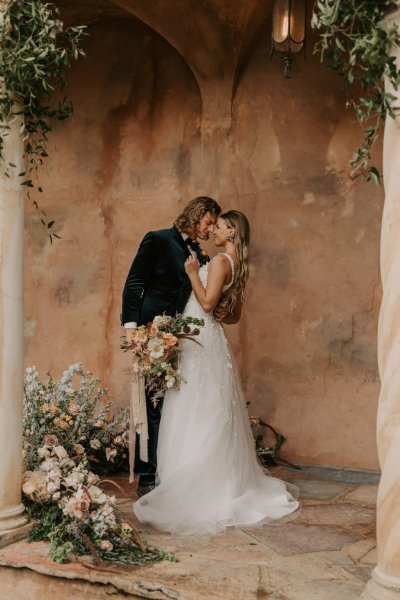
[{"x": 176, "y": 234}]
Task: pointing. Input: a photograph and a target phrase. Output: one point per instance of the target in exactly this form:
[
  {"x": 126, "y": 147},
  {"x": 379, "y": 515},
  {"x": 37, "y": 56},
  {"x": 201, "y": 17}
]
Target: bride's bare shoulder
[{"x": 221, "y": 260}]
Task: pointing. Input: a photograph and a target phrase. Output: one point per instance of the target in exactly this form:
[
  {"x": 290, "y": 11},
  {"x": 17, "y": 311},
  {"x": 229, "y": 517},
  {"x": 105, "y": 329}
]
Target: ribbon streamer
[{"x": 138, "y": 423}]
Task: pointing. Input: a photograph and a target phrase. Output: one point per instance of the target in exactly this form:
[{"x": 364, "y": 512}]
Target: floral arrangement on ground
[
  {"x": 69, "y": 433},
  {"x": 268, "y": 455}
]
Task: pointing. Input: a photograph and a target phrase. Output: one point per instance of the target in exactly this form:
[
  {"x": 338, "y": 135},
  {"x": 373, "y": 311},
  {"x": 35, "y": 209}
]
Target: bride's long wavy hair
[{"x": 236, "y": 219}]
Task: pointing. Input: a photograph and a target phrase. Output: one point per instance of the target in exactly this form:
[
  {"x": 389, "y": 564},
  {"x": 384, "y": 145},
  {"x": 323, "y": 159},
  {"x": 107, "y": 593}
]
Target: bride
[{"x": 209, "y": 476}]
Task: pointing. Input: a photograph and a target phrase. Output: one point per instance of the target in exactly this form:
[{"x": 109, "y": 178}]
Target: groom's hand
[{"x": 192, "y": 265}]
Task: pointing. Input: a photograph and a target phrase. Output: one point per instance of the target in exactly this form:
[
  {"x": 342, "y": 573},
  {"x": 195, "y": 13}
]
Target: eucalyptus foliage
[
  {"x": 355, "y": 42},
  {"x": 35, "y": 50}
]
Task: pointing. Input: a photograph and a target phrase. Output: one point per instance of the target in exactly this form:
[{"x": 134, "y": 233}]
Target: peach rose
[
  {"x": 170, "y": 339},
  {"x": 50, "y": 440}
]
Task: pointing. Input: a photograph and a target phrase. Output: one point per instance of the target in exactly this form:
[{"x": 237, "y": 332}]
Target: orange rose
[{"x": 169, "y": 339}]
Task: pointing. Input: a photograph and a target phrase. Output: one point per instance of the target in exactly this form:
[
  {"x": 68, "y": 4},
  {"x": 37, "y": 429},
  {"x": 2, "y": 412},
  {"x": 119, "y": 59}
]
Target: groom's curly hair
[{"x": 195, "y": 211}]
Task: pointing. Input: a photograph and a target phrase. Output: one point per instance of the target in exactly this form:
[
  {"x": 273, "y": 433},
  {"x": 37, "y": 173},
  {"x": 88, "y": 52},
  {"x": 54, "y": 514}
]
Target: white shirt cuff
[{"x": 130, "y": 325}]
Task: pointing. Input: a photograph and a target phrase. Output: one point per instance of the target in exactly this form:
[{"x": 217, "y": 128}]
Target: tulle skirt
[{"x": 209, "y": 476}]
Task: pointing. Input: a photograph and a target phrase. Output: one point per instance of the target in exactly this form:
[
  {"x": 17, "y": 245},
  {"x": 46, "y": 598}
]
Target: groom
[{"x": 157, "y": 283}]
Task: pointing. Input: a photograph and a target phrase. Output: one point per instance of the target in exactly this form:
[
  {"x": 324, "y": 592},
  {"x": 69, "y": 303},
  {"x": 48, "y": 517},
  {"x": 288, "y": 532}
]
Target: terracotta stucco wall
[{"x": 134, "y": 153}]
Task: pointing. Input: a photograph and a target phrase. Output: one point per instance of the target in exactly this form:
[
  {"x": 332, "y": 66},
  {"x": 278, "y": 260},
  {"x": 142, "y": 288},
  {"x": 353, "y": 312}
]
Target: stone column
[
  {"x": 385, "y": 582},
  {"x": 12, "y": 516}
]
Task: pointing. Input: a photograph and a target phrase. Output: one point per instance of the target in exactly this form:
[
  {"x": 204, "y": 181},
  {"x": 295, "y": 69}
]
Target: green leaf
[
  {"x": 34, "y": 51},
  {"x": 354, "y": 41},
  {"x": 376, "y": 176}
]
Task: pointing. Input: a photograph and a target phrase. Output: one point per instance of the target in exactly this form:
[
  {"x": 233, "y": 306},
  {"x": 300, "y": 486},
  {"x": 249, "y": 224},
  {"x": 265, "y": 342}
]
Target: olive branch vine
[
  {"x": 35, "y": 51},
  {"x": 355, "y": 41}
]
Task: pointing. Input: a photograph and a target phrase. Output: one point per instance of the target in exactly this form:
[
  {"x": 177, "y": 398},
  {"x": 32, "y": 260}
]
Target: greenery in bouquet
[
  {"x": 75, "y": 413},
  {"x": 156, "y": 349},
  {"x": 78, "y": 518}
]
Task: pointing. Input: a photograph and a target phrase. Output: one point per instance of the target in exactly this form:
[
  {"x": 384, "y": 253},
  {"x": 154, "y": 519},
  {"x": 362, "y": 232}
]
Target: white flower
[
  {"x": 53, "y": 486},
  {"x": 92, "y": 478},
  {"x": 111, "y": 453},
  {"x": 95, "y": 444},
  {"x": 29, "y": 487},
  {"x": 43, "y": 452},
  {"x": 79, "y": 449},
  {"x": 74, "y": 479},
  {"x": 97, "y": 495},
  {"x": 48, "y": 464},
  {"x": 100, "y": 527},
  {"x": 56, "y": 496},
  {"x": 54, "y": 474},
  {"x": 170, "y": 381},
  {"x": 67, "y": 462},
  {"x": 34, "y": 485},
  {"x": 60, "y": 452},
  {"x": 161, "y": 320},
  {"x": 156, "y": 347},
  {"x": 77, "y": 505}
]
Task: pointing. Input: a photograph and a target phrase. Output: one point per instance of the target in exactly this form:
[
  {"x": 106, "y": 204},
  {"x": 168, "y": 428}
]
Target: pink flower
[{"x": 106, "y": 545}]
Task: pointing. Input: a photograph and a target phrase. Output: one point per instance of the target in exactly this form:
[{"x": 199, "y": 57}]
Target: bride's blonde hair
[{"x": 236, "y": 219}]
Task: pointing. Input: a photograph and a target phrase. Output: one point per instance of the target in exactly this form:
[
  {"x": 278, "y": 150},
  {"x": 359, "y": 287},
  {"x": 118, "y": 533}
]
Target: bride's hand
[{"x": 192, "y": 265}]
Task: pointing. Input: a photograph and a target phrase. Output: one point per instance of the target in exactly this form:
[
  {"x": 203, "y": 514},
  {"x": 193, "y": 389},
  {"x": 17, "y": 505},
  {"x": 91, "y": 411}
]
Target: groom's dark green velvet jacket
[{"x": 157, "y": 282}]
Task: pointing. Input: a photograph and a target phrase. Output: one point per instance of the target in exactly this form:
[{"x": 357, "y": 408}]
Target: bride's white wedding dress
[{"x": 209, "y": 476}]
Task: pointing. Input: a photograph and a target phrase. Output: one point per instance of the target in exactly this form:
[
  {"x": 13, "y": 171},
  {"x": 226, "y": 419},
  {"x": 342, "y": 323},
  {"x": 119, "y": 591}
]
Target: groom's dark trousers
[{"x": 157, "y": 283}]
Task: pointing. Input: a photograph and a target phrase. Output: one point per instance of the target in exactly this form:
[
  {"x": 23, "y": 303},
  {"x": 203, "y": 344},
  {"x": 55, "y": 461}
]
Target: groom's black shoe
[{"x": 142, "y": 490}]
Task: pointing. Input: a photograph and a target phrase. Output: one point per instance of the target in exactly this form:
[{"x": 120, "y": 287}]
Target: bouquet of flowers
[
  {"x": 70, "y": 509},
  {"x": 74, "y": 413},
  {"x": 155, "y": 348}
]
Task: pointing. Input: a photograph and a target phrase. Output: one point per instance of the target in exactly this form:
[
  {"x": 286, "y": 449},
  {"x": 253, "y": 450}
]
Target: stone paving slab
[
  {"x": 325, "y": 551},
  {"x": 301, "y": 538},
  {"x": 342, "y": 515},
  {"x": 320, "y": 490},
  {"x": 366, "y": 494}
]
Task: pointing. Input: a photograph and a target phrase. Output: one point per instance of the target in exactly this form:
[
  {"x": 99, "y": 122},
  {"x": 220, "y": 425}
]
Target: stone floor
[{"x": 326, "y": 551}]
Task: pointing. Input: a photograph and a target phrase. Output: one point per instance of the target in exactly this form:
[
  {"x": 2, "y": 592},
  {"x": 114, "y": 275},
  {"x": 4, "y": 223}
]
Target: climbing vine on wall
[
  {"x": 355, "y": 41},
  {"x": 35, "y": 50}
]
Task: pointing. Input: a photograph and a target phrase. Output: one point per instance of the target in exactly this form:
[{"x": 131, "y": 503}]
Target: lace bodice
[{"x": 193, "y": 308}]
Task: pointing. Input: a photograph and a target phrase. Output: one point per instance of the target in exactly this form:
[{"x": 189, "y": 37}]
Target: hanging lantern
[{"x": 288, "y": 30}]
